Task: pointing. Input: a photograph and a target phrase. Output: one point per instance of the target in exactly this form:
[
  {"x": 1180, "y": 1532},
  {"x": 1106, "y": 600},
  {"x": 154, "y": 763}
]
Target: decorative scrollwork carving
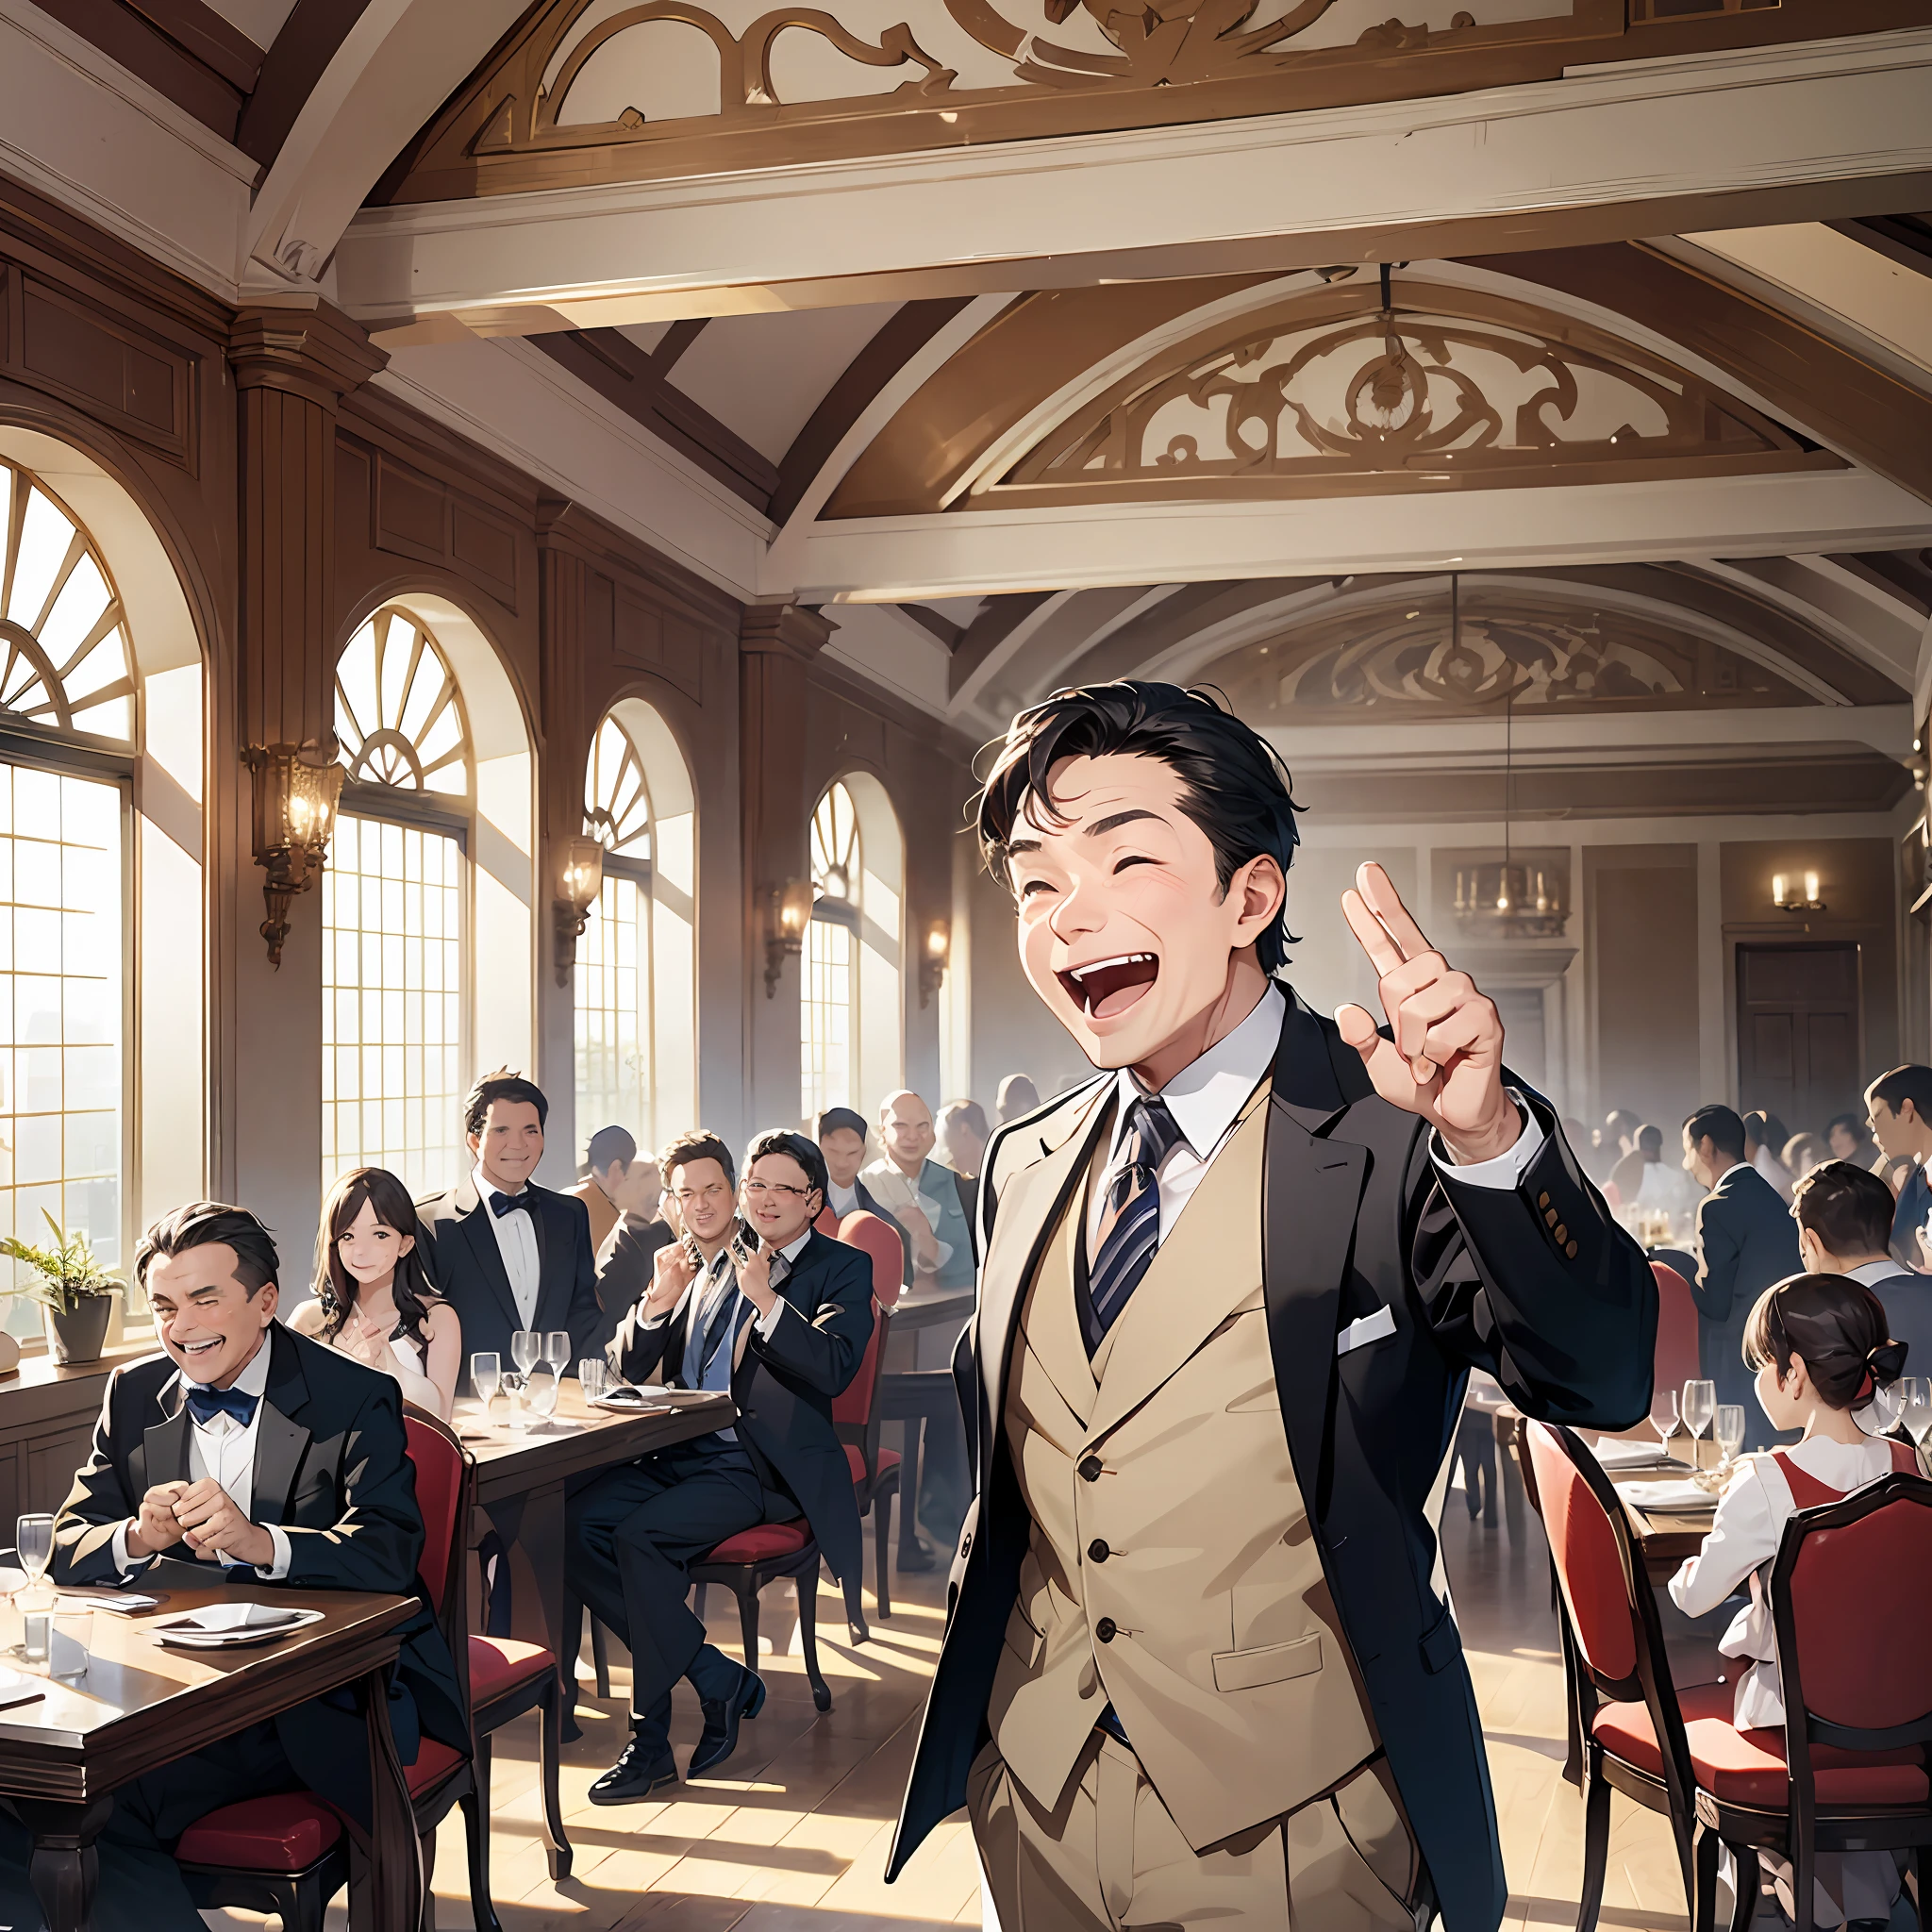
[{"x": 1455, "y": 388}]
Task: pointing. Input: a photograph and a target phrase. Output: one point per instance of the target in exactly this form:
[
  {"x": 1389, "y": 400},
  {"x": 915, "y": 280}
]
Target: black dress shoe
[
  {"x": 916, "y": 1558},
  {"x": 722, "y": 1718},
  {"x": 631, "y": 1777}
]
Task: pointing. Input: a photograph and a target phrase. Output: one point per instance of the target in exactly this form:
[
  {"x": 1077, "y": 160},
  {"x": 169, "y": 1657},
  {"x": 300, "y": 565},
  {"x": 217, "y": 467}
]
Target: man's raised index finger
[
  {"x": 1385, "y": 902},
  {"x": 1385, "y": 956}
]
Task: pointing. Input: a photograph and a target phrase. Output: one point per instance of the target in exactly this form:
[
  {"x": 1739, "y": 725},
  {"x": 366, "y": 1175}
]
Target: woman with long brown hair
[{"x": 373, "y": 1299}]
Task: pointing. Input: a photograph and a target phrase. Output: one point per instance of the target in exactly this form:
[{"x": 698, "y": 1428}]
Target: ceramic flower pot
[{"x": 80, "y": 1335}]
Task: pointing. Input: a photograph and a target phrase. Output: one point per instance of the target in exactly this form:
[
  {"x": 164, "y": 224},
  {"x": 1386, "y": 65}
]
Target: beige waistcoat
[{"x": 1225, "y": 1665}]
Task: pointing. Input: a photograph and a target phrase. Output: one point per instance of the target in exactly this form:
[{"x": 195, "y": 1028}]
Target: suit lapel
[
  {"x": 1203, "y": 1270},
  {"x": 1030, "y": 1207},
  {"x": 164, "y": 1444},
  {"x": 280, "y": 1439},
  {"x": 474, "y": 1218}
]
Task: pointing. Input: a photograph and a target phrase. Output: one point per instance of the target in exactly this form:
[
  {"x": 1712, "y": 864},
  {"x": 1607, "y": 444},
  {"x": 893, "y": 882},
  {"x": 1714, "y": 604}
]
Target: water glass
[
  {"x": 593, "y": 1376},
  {"x": 1915, "y": 1407},
  {"x": 486, "y": 1375},
  {"x": 1730, "y": 1430},
  {"x": 1664, "y": 1418},
  {"x": 1699, "y": 1407},
  {"x": 33, "y": 1540},
  {"x": 35, "y": 1636},
  {"x": 70, "y": 1641},
  {"x": 557, "y": 1348},
  {"x": 542, "y": 1384},
  {"x": 525, "y": 1349}
]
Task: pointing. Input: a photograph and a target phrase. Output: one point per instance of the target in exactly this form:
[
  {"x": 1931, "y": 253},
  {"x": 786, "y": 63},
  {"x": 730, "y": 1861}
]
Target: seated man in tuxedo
[
  {"x": 505, "y": 1253},
  {"x": 1844, "y": 1214},
  {"x": 262, "y": 1456},
  {"x": 779, "y": 1315}
]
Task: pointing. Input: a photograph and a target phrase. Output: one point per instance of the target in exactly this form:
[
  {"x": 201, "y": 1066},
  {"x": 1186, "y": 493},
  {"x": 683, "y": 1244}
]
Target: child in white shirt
[{"x": 1821, "y": 1348}]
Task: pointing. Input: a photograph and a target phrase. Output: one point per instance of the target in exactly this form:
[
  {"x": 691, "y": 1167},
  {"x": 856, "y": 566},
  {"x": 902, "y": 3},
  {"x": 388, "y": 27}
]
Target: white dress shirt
[
  {"x": 844, "y": 1200},
  {"x": 713, "y": 1273},
  {"x": 224, "y": 1449},
  {"x": 516, "y": 1242},
  {"x": 1207, "y": 1096}
]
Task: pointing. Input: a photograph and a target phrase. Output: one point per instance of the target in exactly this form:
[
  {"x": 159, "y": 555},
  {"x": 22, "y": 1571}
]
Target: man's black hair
[
  {"x": 203, "y": 1225},
  {"x": 842, "y": 1118},
  {"x": 1910, "y": 1082},
  {"x": 1847, "y": 1206},
  {"x": 1853, "y": 1124},
  {"x": 608, "y": 1144},
  {"x": 1721, "y": 1127},
  {"x": 1234, "y": 784},
  {"x": 1650, "y": 1141},
  {"x": 794, "y": 1147},
  {"x": 502, "y": 1085},
  {"x": 695, "y": 1143}
]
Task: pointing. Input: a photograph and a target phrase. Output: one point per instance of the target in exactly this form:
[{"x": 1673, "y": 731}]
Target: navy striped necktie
[{"x": 1130, "y": 1223}]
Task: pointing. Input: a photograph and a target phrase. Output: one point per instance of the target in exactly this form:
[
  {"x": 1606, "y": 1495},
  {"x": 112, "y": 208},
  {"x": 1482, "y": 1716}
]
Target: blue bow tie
[
  {"x": 502, "y": 1204},
  {"x": 204, "y": 1405}
]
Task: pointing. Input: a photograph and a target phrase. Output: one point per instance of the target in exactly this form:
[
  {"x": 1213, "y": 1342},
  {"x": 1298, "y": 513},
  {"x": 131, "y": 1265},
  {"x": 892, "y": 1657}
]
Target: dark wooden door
[{"x": 1799, "y": 1032}]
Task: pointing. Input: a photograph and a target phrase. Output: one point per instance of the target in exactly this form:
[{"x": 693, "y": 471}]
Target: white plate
[
  {"x": 1667, "y": 1496},
  {"x": 228, "y": 1627}
]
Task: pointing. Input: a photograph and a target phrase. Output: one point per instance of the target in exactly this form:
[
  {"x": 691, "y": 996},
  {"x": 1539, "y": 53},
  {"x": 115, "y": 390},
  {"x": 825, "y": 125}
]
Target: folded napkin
[
  {"x": 1613, "y": 1451},
  {"x": 1679, "y": 1493}
]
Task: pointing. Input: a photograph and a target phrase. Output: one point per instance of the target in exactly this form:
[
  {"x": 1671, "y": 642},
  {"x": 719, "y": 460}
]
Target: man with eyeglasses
[{"x": 778, "y": 1316}]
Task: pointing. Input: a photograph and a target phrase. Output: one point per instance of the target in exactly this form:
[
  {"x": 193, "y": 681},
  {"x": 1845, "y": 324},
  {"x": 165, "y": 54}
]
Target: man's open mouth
[
  {"x": 1108, "y": 987},
  {"x": 200, "y": 1347}
]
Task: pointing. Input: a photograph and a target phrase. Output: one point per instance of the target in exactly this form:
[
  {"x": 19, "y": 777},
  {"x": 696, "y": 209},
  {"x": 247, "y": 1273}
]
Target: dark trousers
[
  {"x": 141, "y": 1886},
  {"x": 631, "y": 1538}
]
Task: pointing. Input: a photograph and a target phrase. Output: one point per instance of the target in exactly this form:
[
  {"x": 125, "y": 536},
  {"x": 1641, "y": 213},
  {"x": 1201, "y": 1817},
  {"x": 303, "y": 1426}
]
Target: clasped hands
[
  {"x": 673, "y": 1271},
  {"x": 204, "y": 1516}
]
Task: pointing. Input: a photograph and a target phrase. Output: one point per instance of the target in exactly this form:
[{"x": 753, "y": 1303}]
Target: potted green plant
[{"x": 75, "y": 1294}]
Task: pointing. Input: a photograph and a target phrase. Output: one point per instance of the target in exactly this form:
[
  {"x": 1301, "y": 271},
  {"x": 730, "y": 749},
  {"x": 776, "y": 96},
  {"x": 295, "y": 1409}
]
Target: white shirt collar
[
  {"x": 1205, "y": 1096},
  {"x": 484, "y": 1187},
  {"x": 1871, "y": 1273},
  {"x": 253, "y": 1380},
  {"x": 792, "y": 1249}
]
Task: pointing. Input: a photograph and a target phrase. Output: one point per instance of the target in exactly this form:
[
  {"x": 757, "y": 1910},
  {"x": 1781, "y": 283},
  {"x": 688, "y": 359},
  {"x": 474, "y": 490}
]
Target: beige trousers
[{"x": 1108, "y": 1857}]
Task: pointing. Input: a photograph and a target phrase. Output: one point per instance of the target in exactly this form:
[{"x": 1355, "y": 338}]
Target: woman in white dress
[{"x": 373, "y": 1299}]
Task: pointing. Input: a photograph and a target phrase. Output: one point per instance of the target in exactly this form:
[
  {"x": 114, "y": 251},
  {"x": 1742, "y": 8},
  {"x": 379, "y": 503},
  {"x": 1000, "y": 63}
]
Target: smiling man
[
  {"x": 248, "y": 1454},
  {"x": 1197, "y": 1666}
]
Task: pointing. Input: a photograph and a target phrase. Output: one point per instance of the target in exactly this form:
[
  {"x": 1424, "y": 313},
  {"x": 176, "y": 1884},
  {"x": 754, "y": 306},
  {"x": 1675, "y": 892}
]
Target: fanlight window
[
  {"x": 834, "y": 857},
  {"x": 616, "y": 807},
  {"x": 67, "y": 661},
  {"x": 399, "y": 713},
  {"x": 830, "y": 1057}
]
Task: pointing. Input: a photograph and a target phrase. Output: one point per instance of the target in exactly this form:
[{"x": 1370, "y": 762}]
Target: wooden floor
[{"x": 795, "y": 1839}]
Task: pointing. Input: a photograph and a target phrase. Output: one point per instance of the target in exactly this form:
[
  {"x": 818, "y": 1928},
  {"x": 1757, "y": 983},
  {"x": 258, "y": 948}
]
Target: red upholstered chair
[
  {"x": 287, "y": 1854},
  {"x": 1677, "y": 1329},
  {"x": 1622, "y": 1697},
  {"x": 1848, "y": 1595},
  {"x": 764, "y": 1554},
  {"x": 856, "y": 1413}
]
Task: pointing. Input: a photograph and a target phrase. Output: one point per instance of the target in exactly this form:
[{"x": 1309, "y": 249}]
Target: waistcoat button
[
  {"x": 1090, "y": 1469},
  {"x": 1105, "y": 1629},
  {"x": 1098, "y": 1550}
]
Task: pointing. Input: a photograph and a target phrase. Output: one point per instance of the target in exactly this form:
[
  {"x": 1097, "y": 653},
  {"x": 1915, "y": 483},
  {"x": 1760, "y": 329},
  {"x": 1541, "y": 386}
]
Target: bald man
[{"x": 911, "y": 1184}]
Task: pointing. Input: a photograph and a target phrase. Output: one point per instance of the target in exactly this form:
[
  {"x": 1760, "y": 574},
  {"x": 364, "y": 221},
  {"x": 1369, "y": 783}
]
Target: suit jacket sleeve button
[
  {"x": 1098, "y": 1551},
  {"x": 1542, "y": 1200},
  {"x": 1562, "y": 1234},
  {"x": 1105, "y": 1630},
  {"x": 1090, "y": 1469},
  {"x": 1570, "y": 1251}
]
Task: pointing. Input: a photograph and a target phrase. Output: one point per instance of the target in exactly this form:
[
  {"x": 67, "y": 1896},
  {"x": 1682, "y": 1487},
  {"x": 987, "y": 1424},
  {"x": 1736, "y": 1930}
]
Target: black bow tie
[
  {"x": 502, "y": 1204},
  {"x": 204, "y": 1405}
]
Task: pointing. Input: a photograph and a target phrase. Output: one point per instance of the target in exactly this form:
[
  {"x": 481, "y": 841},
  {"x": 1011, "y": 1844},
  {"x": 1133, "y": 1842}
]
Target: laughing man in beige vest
[{"x": 1197, "y": 1665}]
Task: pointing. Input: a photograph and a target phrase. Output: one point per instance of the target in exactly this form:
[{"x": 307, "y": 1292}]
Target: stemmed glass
[
  {"x": 33, "y": 1542},
  {"x": 525, "y": 1347},
  {"x": 1664, "y": 1418},
  {"x": 540, "y": 1389},
  {"x": 1916, "y": 1409},
  {"x": 486, "y": 1377},
  {"x": 1699, "y": 1408},
  {"x": 557, "y": 1348},
  {"x": 1730, "y": 1431}
]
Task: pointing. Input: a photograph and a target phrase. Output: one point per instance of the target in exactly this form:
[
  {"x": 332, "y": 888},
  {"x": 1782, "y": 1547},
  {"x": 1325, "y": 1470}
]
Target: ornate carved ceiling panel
[
  {"x": 1518, "y": 644},
  {"x": 1449, "y": 389},
  {"x": 598, "y": 91}
]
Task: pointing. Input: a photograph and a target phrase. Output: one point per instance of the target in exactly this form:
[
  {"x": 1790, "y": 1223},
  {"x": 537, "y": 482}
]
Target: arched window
[
  {"x": 830, "y": 1066},
  {"x": 67, "y": 724},
  {"x": 393, "y": 900},
  {"x": 634, "y": 983},
  {"x": 852, "y": 1039}
]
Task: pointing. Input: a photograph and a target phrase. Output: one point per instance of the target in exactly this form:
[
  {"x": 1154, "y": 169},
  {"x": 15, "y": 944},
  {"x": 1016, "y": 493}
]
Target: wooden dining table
[
  {"x": 142, "y": 1706},
  {"x": 521, "y": 1475}
]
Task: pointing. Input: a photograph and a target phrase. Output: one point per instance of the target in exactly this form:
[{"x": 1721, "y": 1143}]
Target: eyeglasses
[{"x": 757, "y": 1191}]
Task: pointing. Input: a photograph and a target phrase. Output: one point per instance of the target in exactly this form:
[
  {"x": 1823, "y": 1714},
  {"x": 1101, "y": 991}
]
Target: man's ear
[{"x": 1259, "y": 890}]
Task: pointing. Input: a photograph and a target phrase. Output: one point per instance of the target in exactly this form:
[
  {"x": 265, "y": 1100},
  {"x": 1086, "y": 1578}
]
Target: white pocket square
[{"x": 1370, "y": 1328}]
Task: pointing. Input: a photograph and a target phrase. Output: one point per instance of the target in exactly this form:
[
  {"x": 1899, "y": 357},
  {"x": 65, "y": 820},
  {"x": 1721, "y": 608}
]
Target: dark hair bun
[{"x": 1887, "y": 1363}]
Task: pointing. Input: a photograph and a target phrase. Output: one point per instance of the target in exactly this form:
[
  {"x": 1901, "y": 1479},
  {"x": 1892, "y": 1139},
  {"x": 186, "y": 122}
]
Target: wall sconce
[
  {"x": 788, "y": 915},
  {"x": 578, "y": 882},
  {"x": 296, "y": 790},
  {"x": 932, "y": 964},
  {"x": 1783, "y": 894}
]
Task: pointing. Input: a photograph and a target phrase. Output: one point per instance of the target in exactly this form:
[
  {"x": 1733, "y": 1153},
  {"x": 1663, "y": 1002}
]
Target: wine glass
[
  {"x": 33, "y": 1540},
  {"x": 540, "y": 1389},
  {"x": 486, "y": 1374},
  {"x": 1699, "y": 1407},
  {"x": 1664, "y": 1418},
  {"x": 1730, "y": 1430},
  {"x": 593, "y": 1376},
  {"x": 1916, "y": 1409},
  {"x": 557, "y": 1348},
  {"x": 525, "y": 1349}
]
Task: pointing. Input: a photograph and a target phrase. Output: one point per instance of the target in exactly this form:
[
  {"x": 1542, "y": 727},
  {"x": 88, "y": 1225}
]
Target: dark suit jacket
[
  {"x": 332, "y": 1468},
  {"x": 1908, "y": 1217},
  {"x": 1355, "y": 1218},
  {"x": 1907, "y": 1300},
  {"x": 460, "y": 1252},
  {"x": 625, "y": 1260},
  {"x": 784, "y": 1388},
  {"x": 1748, "y": 1239}
]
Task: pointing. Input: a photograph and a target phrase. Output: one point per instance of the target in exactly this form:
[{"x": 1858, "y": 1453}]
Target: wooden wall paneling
[
  {"x": 1640, "y": 913},
  {"x": 420, "y": 517}
]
